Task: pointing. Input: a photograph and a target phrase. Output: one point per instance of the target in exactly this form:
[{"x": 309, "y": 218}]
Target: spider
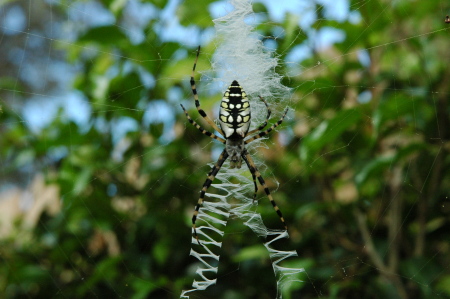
[{"x": 234, "y": 120}]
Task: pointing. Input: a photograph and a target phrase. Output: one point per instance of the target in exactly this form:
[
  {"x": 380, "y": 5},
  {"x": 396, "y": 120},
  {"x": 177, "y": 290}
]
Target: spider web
[
  {"x": 36, "y": 93},
  {"x": 241, "y": 56}
]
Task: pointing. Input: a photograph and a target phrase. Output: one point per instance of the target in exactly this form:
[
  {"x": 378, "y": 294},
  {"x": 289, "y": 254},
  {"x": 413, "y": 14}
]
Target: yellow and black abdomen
[{"x": 235, "y": 115}]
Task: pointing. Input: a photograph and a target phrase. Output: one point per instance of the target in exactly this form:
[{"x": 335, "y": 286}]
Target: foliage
[{"x": 362, "y": 183}]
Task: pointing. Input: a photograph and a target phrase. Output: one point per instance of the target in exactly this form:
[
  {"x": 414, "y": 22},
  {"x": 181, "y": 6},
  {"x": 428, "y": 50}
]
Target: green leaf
[
  {"x": 373, "y": 168},
  {"x": 161, "y": 252},
  {"x": 291, "y": 31},
  {"x": 252, "y": 252},
  {"x": 31, "y": 273},
  {"x": 105, "y": 271},
  {"x": 391, "y": 109},
  {"x": 123, "y": 95},
  {"x": 298, "y": 280},
  {"x": 195, "y": 13},
  {"x": 109, "y": 35},
  {"x": 117, "y": 6},
  {"x": 379, "y": 164},
  {"x": 423, "y": 270},
  {"x": 158, "y": 3},
  {"x": 142, "y": 288},
  {"x": 327, "y": 132},
  {"x": 443, "y": 285},
  {"x": 82, "y": 181}
]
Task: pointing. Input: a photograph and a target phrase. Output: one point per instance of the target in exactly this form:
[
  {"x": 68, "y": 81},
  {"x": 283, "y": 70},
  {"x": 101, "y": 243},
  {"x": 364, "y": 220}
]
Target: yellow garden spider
[{"x": 234, "y": 120}]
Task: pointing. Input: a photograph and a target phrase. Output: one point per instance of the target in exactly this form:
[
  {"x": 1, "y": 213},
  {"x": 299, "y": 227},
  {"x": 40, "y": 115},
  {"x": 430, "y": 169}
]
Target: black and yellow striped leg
[
  {"x": 269, "y": 112},
  {"x": 205, "y": 132},
  {"x": 212, "y": 174},
  {"x": 261, "y": 134},
  {"x": 256, "y": 186},
  {"x": 197, "y": 102},
  {"x": 254, "y": 170}
]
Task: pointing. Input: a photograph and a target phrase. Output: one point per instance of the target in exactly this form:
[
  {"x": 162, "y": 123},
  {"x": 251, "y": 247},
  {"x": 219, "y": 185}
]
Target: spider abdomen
[{"x": 235, "y": 115}]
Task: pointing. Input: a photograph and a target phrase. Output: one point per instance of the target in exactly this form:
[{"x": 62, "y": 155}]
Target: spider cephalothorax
[{"x": 234, "y": 120}]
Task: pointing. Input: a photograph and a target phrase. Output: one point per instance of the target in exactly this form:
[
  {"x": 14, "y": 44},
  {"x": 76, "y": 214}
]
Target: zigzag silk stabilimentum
[{"x": 241, "y": 56}]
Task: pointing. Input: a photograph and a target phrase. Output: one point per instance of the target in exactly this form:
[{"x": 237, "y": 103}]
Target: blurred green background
[{"x": 100, "y": 170}]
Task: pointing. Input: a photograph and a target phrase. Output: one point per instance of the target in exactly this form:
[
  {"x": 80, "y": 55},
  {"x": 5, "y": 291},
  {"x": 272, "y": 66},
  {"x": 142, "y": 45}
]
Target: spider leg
[
  {"x": 254, "y": 170},
  {"x": 197, "y": 102},
  {"x": 205, "y": 132},
  {"x": 256, "y": 186},
  {"x": 269, "y": 112},
  {"x": 211, "y": 175},
  {"x": 261, "y": 134}
]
